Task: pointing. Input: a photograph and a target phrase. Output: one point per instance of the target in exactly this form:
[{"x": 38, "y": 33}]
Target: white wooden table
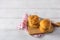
[{"x": 11, "y": 12}]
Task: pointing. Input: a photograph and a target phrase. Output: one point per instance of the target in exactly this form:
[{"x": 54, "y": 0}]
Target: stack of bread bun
[{"x": 38, "y": 26}]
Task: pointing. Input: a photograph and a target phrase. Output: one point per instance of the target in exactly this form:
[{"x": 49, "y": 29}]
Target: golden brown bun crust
[
  {"x": 45, "y": 26},
  {"x": 33, "y": 21}
]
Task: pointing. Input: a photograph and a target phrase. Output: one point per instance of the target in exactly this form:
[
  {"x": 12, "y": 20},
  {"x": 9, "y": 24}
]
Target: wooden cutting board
[{"x": 33, "y": 31}]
